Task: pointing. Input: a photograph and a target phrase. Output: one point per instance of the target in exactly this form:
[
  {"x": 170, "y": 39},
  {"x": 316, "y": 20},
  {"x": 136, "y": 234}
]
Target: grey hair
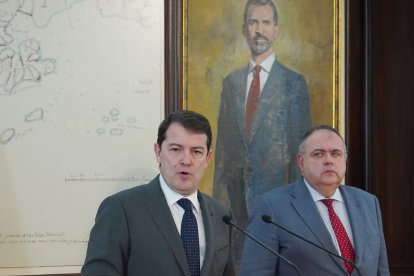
[{"x": 313, "y": 130}]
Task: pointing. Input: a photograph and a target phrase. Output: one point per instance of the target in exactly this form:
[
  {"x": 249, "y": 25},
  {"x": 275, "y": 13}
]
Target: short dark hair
[
  {"x": 314, "y": 129},
  {"x": 190, "y": 120},
  {"x": 260, "y": 3}
]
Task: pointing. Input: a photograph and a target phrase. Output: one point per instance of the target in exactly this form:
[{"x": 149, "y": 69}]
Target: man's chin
[
  {"x": 258, "y": 49},
  {"x": 330, "y": 174},
  {"x": 331, "y": 179}
]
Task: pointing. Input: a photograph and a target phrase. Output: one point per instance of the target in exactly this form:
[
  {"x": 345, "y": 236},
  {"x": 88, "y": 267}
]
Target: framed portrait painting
[
  {"x": 309, "y": 41},
  {"x": 296, "y": 47}
]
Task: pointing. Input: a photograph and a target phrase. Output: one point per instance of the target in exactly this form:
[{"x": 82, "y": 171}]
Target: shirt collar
[
  {"x": 172, "y": 196},
  {"x": 316, "y": 196},
  {"x": 266, "y": 64}
]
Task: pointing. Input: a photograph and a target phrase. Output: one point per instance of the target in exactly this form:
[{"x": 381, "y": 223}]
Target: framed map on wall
[{"x": 81, "y": 98}]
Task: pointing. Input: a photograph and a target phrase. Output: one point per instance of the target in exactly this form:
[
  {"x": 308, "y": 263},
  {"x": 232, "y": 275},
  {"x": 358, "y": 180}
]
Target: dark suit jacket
[
  {"x": 135, "y": 234},
  {"x": 292, "y": 206},
  {"x": 247, "y": 168}
]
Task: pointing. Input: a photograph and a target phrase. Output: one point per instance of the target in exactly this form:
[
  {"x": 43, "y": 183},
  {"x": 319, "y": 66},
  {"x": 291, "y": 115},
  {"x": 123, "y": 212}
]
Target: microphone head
[
  {"x": 266, "y": 219},
  {"x": 226, "y": 219}
]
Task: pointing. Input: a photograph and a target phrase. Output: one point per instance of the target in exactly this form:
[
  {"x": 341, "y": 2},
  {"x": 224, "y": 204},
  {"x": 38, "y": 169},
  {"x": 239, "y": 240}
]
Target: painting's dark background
[{"x": 379, "y": 69}]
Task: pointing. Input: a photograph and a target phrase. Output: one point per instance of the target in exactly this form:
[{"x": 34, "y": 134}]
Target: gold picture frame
[{"x": 310, "y": 42}]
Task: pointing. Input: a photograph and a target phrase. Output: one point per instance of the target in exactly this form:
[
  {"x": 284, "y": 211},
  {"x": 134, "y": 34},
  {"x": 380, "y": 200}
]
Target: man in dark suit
[
  {"x": 137, "y": 231},
  {"x": 254, "y": 153},
  {"x": 340, "y": 218}
]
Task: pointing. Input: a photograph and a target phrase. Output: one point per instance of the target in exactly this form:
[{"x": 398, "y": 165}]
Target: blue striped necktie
[{"x": 189, "y": 236}]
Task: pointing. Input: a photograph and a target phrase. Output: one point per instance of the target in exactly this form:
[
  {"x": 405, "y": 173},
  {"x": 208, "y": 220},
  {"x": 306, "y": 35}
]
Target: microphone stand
[
  {"x": 227, "y": 220},
  {"x": 268, "y": 219}
]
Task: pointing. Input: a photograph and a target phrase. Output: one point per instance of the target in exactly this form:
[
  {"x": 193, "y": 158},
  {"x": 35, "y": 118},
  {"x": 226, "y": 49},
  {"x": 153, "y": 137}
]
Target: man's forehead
[
  {"x": 325, "y": 140},
  {"x": 183, "y": 137},
  {"x": 259, "y": 9}
]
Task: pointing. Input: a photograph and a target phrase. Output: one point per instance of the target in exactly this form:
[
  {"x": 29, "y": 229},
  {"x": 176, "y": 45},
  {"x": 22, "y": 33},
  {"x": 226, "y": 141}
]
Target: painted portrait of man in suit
[
  {"x": 293, "y": 44},
  {"x": 252, "y": 159}
]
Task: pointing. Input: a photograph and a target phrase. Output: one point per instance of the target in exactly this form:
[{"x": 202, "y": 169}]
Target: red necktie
[
  {"x": 252, "y": 99},
  {"x": 347, "y": 251}
]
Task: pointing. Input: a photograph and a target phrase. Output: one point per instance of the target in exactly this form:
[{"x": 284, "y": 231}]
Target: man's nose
[
  {"x": 327, "y": 159},
  {"x": 259, "y": 29},
  {"x": 185, "y": 158}
]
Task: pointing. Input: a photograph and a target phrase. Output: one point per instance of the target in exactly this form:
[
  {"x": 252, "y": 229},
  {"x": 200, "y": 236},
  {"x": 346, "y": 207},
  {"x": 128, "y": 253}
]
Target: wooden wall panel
[
  {"x": 392, "y": 55},
  {"x": 380, "y": 116},
  {"x": 354, "y": 79}
]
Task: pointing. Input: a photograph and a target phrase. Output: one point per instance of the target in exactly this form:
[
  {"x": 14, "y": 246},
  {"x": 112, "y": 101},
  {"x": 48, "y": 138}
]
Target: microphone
[
  {"x": 227, "y": 220},
  {"x": 268, "y": 219}
]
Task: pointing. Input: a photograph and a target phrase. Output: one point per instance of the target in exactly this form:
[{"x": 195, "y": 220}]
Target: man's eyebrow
[
  {"x": 175, "y": 145},
  {"x": 318, "y": 150},
  {"x": 324, "y": 150},
  {"x": 181, "y": 146}
]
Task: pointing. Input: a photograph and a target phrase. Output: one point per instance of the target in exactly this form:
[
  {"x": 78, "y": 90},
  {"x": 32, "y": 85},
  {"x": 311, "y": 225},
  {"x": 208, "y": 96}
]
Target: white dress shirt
[
  {"x": 339, "y": 207},
  {"x": 178, "y": 212},
  {"x": 264, "y": 73}
]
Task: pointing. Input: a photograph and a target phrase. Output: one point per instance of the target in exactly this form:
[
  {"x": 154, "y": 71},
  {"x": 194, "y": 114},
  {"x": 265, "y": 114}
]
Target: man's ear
[
  {"x": 157, "y": 150},
  {"x": 208, "y": 157},
  {"x": 299, "y": 161}
]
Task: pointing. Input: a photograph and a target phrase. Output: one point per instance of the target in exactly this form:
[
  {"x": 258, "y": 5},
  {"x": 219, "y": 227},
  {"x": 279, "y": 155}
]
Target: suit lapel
[
  {"x": 241, "y": 98},
  {"x": 307, "y": 210},
  {"x": 208, "y": 219},
  {"x": 356, "y": 219},
  {"x": 158, "y": 209}
]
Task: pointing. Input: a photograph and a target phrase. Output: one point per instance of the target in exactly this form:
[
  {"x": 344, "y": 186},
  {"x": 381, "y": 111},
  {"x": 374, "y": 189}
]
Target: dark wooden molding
[
  {"x": 392, "y": 102},
  {"x": 354, "y": 96},
  {"x": 173, "y": 55},
  {"x": 379, "y": 112}
]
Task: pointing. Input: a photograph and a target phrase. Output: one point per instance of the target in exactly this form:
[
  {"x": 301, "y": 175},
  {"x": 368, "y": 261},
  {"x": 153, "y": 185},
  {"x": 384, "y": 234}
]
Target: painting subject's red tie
[
  {"x": 252, "y": 99},
  {"x": 345, "y": 245}
]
